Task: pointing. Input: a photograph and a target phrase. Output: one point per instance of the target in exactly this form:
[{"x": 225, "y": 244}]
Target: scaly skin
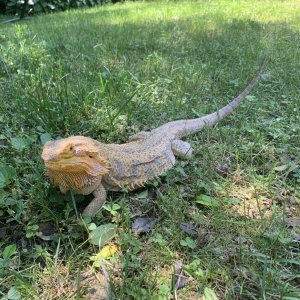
[{"x": 87, "y": 166}]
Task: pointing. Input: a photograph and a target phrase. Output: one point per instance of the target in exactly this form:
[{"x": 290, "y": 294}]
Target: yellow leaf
[{"x": 106, "y": 251}]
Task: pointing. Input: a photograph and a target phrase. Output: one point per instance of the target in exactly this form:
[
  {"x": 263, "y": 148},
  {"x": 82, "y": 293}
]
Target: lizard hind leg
[
  {"x": 96, "y": 203},
  {"x": 139, "y": 136},
  {"x": 182, "y": 149}
]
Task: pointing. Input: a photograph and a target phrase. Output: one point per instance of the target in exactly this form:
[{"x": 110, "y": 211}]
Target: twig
[
  {"x": 106, "y": 281},
  {"x": 14, "y": 20}
]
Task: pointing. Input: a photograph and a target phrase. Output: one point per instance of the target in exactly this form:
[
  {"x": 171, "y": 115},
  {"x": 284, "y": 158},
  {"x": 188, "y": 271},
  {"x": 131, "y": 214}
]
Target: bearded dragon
[{"x": 87, "y": 166}]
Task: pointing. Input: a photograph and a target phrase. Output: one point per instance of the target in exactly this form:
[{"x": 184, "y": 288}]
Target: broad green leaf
[
  {"x": 164, "y": 290},
  {"x": 194, "y": 269},
  {"x": 285, "y": 240},
  {"x": 116, "y": 206},
  {"x": 191, "y": 243},
  {"x": 281, "y": 168},
  {"x": 40, "y": 129},
  {"x": 188, "y": 242},
  {"x": 6, "y": 173},
  {"x": 92, "y": 226},
  {"x": 143, "y": 195},
  {"x": 45, "y": 137},
  {"x": 107, "y": 207},
  {"x": 233, "y": 201},
  {"x": 207, "y": 201},
  {"x": 103, "y": 234},
  {"x": 193, "y": 266},
  {"x": 293, "y": 167},
  {"x": 87, "y": 219},
  {"x": 3, "y": 180},
  {"x": 20, "y": 143},
  {"x": 183, "y": 243},
  {"x": 181, "y": 171},
  {"x": 13, "y": 294},
  {"x": 291, "y": 297},
  {"x": 9, "y": 251},
  {"x": 209, "y": 294}
]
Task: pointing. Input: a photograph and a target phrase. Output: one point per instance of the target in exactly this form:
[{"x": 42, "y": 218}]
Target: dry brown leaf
[{"x": 293, "y": 221}]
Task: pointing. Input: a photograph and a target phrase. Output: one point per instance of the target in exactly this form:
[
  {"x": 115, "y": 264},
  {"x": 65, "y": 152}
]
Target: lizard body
[{"x": 87, "y": 166}]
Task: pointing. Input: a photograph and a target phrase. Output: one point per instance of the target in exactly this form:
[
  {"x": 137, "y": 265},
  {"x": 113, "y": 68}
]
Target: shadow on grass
[{"x": 170, "y": 68}]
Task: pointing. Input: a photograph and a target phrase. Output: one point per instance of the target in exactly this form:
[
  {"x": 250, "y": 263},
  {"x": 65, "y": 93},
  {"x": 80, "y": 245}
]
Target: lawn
[{"x": 227, "y": 220}]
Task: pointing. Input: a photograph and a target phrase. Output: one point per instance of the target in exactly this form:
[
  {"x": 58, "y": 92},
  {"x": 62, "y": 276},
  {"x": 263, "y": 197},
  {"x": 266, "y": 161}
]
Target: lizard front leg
[
  {"x": 182, "y": 149},
  {"x": 97, "y": 202}
]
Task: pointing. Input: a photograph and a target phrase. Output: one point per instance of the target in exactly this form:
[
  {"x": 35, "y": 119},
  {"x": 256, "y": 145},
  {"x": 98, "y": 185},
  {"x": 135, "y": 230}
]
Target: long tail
[{"x": 182, "y": 128}]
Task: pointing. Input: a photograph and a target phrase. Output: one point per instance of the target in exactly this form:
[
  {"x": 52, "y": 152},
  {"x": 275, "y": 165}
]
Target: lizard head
[{"x": 74, "y": 162}]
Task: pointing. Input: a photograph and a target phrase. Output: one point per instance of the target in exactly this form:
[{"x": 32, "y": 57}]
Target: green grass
[{"x": 112, "y": 71}]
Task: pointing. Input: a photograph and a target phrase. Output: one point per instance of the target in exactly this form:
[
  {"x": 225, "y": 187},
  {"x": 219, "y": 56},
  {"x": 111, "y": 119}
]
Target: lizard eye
[{"x": 71, "y": 148}]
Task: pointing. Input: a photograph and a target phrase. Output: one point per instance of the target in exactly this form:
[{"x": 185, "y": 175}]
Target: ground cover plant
[{"x": 226, "y": 221}]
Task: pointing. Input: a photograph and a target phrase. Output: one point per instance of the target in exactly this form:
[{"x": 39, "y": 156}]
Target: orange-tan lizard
[{"x": 87, "y": 166}]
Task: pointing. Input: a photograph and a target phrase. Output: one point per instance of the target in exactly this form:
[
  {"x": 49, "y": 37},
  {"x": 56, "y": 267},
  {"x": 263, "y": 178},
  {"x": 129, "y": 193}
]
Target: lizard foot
[{"x": 182, "y": 149}]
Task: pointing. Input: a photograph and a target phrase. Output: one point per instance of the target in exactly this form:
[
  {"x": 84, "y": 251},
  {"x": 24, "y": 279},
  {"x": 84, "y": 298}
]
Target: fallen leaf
[
  {"x": 180, "y": 279},
  {"x": 143, "y": 224},
  {"x": 98, "y": 289},
  {"x": 184, "y": 191},
  {"x": 108, "y": 250},
  {"x": 240, "y": 240},
  {"x": 295, "y": 235},
  {"x": 188, "y": 228},
  {"x": 293, "y": 221},
  {"x": 291, "y": 200},
  {"x": 223, "y": 169},
  {"x": 96, "y": 293},
  {"x": 47, "y": 230}
]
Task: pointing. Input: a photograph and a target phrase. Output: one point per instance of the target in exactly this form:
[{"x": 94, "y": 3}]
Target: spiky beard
[{"x": 72, "y": 181}]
